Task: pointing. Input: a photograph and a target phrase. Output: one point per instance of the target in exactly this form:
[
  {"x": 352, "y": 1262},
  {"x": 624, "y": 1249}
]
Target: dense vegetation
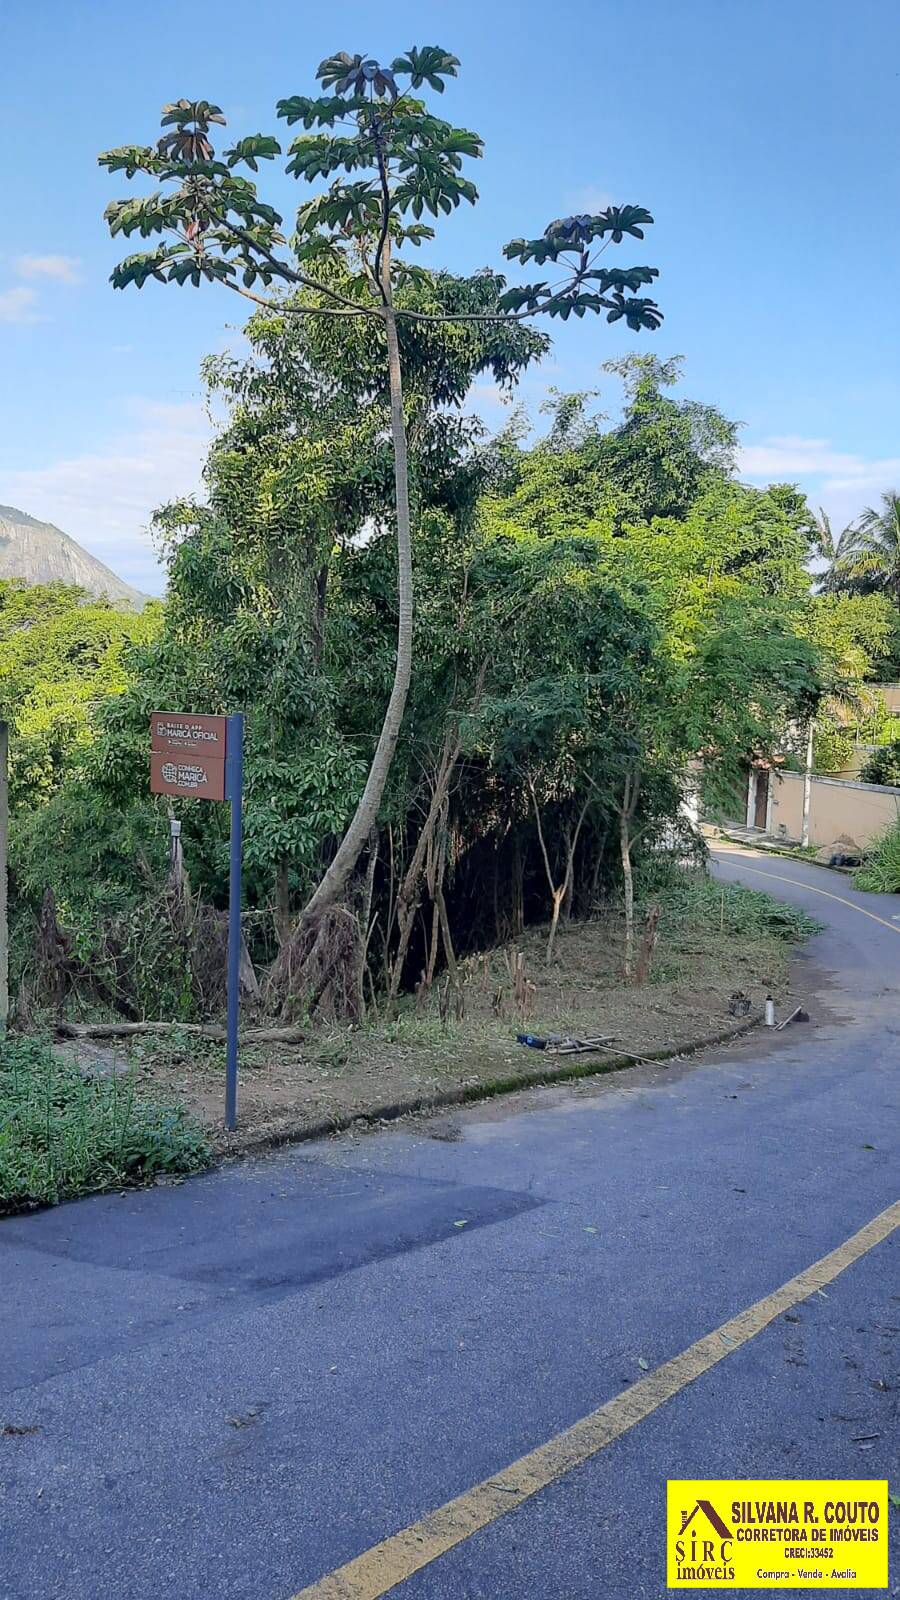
[
  {"x": 595, "y": 611},
  {"x": 485, "y": 679},
  {"x": 61, "y": 654},
  {"x": 479, "y": 674}
]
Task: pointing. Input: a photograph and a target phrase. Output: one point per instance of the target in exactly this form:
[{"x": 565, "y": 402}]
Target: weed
[
  {"x": 63, "y": 1135},
  {"x": 880, "y": 872},
  {"x": 331, "y": 1053}
]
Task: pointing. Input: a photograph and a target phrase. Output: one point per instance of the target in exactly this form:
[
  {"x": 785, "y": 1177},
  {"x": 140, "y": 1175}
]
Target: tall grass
[
  {"x": 63, "y": 1135},
  {"x": 692, "y": 896},
  {"x": 880, "y": 872}
]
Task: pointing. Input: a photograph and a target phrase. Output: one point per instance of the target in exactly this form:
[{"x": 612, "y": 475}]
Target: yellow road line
[
  {"x": 798, "y": 883},
  {"x": 395, "y": 1559}
]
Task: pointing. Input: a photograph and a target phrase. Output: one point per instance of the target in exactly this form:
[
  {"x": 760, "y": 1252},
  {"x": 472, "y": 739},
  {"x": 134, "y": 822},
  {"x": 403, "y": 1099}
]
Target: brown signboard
[
  {"x": 194, "y": 777},
  {"x": 187, "y": 733}
]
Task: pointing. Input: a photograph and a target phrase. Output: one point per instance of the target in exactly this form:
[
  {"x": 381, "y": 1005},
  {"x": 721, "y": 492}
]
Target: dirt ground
[{"x": 338, "y": 1074}]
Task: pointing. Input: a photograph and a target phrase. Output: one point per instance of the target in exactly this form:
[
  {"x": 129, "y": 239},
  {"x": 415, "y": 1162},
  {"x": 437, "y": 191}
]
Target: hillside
[{"x": 37, "y": 552}]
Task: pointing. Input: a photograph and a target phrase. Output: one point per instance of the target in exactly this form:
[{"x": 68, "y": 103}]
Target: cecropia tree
[{"x": 385, "y": 160}]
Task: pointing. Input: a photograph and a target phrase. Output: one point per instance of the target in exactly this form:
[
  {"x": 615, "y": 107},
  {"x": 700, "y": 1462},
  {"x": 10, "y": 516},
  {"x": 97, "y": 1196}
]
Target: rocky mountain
[{"x": 37, "y": 552}]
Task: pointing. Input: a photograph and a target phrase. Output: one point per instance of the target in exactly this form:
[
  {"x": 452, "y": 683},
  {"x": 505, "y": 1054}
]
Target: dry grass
[{"x": 340, "y": 1073}]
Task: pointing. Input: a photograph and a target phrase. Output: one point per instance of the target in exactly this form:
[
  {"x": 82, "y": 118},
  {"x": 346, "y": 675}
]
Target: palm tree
[
  {"x": 872, "y": 562},
  {"x": 833, "y": 550}
]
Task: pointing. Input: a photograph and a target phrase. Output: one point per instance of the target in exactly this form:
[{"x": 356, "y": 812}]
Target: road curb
[
  {"x": 785, "y": 853},
  {"x": 227, "y": 1147}
]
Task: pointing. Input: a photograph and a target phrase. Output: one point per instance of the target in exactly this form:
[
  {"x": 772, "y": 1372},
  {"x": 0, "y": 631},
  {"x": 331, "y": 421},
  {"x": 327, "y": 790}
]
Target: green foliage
[
  {"x": 567, "y": 658},
  {"x": 833, "y": 549},
  {"x": 567, "y": 705},
  {"x": 656, "y": 463},
  {"x": 833, "y": 747},
  {"x": 883, "y": 765},
  {"x": 874, "y": 723},
  {"x": 722, "y": 583},
  {"x": 105, "y": 863},
  {"x": 592, "y": 613},
  {"x": 99, "y": 859},
  {"x": 63, "y": 1135},
  {"x": 858, "y": 636},
  {"x": 60, "y": 654},
  {"x": 880, "y": 872},
  {"x": 393, "y": 162}
]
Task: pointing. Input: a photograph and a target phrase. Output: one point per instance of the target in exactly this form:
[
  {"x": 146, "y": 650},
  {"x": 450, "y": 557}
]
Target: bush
[
  {"x": 833, "y": 748},
  {"x": 883, "y": 765},
  {"x": 63, "y": 1135},
  {"x": 880, "y": 872}
]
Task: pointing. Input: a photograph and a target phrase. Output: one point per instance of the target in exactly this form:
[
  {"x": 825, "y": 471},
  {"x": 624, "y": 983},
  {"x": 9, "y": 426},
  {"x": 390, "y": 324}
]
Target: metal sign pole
[{"x": 234, "y": 777}]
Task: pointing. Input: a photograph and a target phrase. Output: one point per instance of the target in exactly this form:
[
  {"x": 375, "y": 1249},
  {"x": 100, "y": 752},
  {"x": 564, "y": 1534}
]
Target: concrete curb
[
  {"x": 233, "y": 1147},
  {"x": 785, "y": 852}
]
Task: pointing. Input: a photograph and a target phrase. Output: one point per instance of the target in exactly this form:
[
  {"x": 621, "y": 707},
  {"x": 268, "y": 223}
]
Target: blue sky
[{"x": 762, "y": 135}]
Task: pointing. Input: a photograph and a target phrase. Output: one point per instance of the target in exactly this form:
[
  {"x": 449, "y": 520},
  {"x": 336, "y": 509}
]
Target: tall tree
[
  {"x": 872, "y": 560},
  {"x": 833, "y": 549},
  {"x": 298, "y": 479},
  {"x": 392, "y": 161}
]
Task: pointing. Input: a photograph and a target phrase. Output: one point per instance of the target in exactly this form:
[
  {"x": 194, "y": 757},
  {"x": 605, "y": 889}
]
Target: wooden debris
[
  {"x": 199, "y": 1030},
  {"x": 797, "y": 1015}
]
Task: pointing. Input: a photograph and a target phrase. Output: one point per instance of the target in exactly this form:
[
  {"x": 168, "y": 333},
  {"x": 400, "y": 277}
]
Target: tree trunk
[
  {"x": 557, "y": 895},
  {"x": 562, "y": 897},
  {"x": 433, "y": 943},
  {"x": 248, "y": 982},
  {"x": 177, "y": 875},
  {"x": 282, "y": 903},
  {"x": 199, "y": 1030},
  {"x": 648, "y": 945},
  {"x": 411, "y": 887},
  {"x": 447, "y": 937},
  {"x": 351, "y": 847},
  {"x": 365, "y": 918},
  {"x": 440, "y": 904},
  {"x": 625, "y": 851},
  {"x": 517, "y": 910},
  {"x": 432, "y": 861}
]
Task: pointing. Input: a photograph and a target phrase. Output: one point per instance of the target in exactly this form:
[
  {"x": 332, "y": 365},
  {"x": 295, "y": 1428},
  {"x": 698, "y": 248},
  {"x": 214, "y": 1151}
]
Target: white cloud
[
  {"x": 841, "y": 481},
  {"x": 62, "y": 269},
  {"x": 17, "y": 305},
  {"x": 105, "y": 498},
  {"x": 488, "y": 400},
  {"x": 589, "y": 199}
]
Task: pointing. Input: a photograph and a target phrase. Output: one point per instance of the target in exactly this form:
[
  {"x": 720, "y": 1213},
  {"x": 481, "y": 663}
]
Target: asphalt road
[{"x": 241, "y": 1383}]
